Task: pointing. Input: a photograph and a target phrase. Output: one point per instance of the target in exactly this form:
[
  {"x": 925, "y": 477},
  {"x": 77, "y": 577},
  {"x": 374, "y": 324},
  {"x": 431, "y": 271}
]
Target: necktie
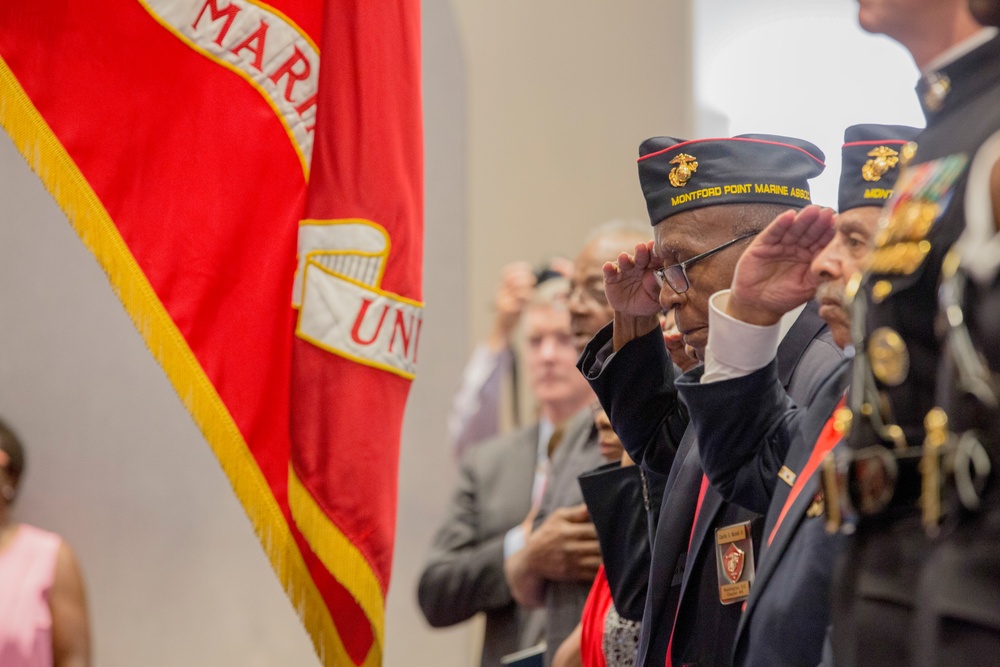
[{"x": 542, "y": 469}]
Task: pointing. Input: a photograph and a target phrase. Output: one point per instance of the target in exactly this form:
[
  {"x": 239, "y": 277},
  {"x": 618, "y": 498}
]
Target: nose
[
  {"x": 574, "y": 300},
  {"x": 669, "y": 299},
  {"x": 827, "y": 264},
  {"x": 548, "y": 348}
]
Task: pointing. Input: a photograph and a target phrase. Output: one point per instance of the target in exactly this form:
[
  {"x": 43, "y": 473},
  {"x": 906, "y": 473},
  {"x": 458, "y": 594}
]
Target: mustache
[{"x": 830, "y": 292}]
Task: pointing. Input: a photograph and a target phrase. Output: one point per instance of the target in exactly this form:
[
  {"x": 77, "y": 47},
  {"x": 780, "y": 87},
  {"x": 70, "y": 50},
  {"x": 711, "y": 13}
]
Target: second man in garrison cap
[
  {"x": 759, "y": 451},
  {"x": 706, "y": 200}
]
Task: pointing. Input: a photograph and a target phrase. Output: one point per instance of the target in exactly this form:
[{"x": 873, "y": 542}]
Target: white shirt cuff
[
  {"x": 513, "y": 541},
  {"x": 735, "y": 348}
]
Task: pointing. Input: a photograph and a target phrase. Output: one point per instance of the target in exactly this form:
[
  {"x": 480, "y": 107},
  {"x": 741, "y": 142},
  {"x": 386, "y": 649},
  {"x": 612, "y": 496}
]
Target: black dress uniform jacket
[
  {"x": 958, "y": 601},
  {"x": 874, "y": 592},
  {"x": 747, "y": 429},
  {"x": 611, "y": 492},
  {"x": 958, "y": 598}
]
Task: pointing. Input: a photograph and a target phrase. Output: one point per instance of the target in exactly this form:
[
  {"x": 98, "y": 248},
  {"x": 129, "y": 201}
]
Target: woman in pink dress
[{"x": 43, "y": 612}]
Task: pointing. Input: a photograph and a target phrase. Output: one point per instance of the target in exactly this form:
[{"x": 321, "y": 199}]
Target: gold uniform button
[
  {"x": 842, "y": 420},
  {"x": 888, "y": 356},
  {"x": 880, "y": 290}
]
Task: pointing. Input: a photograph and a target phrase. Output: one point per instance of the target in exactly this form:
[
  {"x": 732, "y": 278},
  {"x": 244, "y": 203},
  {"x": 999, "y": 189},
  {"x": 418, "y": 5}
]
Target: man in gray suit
[
  {"x": 501, "y": 486},
  {"x": 760, "y": 450}
]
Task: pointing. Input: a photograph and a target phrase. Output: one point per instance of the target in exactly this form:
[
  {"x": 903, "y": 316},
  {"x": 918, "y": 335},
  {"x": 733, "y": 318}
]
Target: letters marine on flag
[{"x": 249, "y": 175}]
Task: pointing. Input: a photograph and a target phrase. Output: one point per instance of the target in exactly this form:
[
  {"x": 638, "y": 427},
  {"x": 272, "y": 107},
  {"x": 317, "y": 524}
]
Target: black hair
[{"x": 11, "y": 445}]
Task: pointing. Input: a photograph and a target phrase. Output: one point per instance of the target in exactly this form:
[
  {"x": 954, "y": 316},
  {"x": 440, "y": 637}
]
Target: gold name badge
[{"x": 734, "y": 562}]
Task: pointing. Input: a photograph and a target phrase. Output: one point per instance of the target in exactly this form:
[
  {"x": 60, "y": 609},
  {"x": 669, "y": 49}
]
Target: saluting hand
[
  {"x": 773, "y": 276},
  {"x": 630, "y": 285}
]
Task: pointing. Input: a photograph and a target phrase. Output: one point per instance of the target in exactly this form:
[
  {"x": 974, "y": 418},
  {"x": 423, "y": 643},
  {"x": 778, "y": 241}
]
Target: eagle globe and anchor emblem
[
  {"x": 882, "y": 160},
  {"x": 681, "y": 174},
  {"x": 732, "y": 562}
]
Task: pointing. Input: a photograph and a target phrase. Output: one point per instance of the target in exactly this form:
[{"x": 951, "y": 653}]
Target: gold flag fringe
[
  {"x": 337, "y": 553},
  {"x": 62, "y": 178}
]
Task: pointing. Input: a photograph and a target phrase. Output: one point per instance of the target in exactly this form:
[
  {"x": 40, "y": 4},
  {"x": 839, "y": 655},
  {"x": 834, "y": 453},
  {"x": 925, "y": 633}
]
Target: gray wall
[
  {"x": 560, "y": 94},
  {"x": 174, "y": 572},
  {"x": 533, "y": 115}
]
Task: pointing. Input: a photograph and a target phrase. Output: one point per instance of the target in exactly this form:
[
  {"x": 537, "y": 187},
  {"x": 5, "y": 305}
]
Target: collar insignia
[{"x": 938, "y": 87}]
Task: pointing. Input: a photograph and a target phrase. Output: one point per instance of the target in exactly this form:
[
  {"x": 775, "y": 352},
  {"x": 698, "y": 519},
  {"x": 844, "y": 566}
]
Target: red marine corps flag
[{"x": 260, "y": 217}]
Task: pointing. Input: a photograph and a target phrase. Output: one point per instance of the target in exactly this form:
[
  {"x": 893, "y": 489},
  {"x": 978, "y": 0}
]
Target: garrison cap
[
  {"x": 870, "y": 163},
  {"x": 679, "y": 175}
]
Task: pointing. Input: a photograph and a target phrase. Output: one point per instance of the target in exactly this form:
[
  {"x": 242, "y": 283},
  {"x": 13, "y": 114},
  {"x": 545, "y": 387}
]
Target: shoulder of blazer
[
  {"x": 498, "y": 448},
  {"x": 807, "y": 326}
]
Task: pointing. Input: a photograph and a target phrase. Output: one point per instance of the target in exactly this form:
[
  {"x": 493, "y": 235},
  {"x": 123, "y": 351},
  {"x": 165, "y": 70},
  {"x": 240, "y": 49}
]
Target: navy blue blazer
[
  {"x": 787, "y": 614},
  {"x": 636, "y": 388}
]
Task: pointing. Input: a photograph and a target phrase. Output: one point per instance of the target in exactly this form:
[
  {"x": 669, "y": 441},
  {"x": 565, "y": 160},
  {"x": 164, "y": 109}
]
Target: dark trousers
[
  {"x": 958, "y": 600},
  {"x": 874, "y": 592}
]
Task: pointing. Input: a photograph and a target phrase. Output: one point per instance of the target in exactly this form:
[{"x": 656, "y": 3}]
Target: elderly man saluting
[
  {"x": 706, "y": 200},
  {"x": 760, "y": 450}
]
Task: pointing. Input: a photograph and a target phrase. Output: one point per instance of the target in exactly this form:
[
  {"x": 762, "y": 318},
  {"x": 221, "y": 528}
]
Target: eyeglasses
[
  {"x": 590, "y": 294},
  {"x": 676, "y": 275}
]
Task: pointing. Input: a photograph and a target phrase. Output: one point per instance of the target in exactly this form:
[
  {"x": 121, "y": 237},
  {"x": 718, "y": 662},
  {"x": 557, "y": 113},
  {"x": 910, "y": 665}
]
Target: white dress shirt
[{"x": 515, "y": 538}]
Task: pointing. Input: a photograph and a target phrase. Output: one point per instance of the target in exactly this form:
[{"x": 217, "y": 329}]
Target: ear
[{"x": 4, "y": 458}]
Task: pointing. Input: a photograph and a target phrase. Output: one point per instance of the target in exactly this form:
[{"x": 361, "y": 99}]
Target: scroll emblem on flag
[{"x": 342, "y": 307}]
